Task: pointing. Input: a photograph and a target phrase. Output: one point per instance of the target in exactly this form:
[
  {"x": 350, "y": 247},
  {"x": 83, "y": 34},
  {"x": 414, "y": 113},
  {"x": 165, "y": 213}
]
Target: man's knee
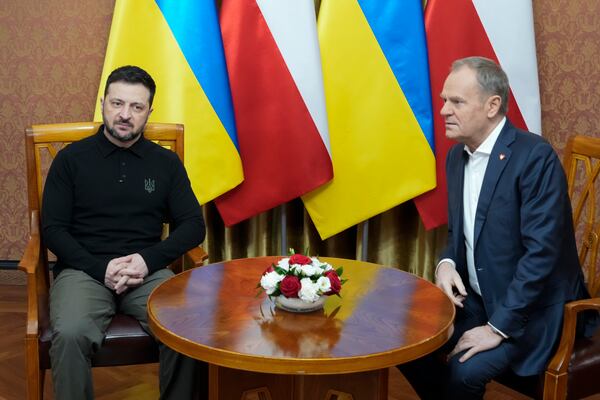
[
  {"x": 81, "y": 333},
  {"x": 135, "y": 301},
  {"x": 470, "y": 376},
  {"x": 158, "y": 277}
]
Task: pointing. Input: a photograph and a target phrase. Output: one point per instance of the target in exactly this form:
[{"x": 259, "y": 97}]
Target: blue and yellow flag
[
  {"x": 179, "y": 44},
  {"x": 378, "y": 101}
]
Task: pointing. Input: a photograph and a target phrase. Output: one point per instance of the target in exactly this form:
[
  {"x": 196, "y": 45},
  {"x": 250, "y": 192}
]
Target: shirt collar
[
  {"x": 488, "y": 144},
  {"x": 107, "y": 147}
]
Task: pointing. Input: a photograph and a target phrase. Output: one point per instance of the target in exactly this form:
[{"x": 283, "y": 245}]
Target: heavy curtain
[{"x": 395, "y": 238}]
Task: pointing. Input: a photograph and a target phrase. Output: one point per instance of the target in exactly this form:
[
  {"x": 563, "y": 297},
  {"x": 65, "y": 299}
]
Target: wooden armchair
[
  {"x": 574, "y": 370},
  {"x": 125, "y": 342}
]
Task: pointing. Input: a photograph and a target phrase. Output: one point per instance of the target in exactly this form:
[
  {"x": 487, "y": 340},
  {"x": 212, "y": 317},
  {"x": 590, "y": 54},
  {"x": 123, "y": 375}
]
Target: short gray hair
[{"x": 491, "y": 78}]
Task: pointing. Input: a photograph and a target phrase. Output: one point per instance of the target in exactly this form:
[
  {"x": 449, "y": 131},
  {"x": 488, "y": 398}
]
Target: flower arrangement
[{"x": 303, "y": 277}]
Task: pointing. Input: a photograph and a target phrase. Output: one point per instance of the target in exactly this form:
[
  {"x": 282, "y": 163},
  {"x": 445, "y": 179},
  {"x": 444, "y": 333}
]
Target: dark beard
[{"x": 124, "y": 139}]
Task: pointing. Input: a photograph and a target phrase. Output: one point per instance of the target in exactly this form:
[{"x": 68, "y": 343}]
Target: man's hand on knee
[{"x": 476, "y": 340}]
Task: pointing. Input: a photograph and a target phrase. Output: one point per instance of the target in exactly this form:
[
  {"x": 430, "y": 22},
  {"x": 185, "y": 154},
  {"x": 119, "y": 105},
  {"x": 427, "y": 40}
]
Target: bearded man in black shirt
[{"x": 105, "y": 200}]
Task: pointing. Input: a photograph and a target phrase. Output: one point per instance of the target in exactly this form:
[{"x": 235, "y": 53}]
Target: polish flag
[
  {"x": 274, "y": 66},
  {"x": 501, "y": 30}
]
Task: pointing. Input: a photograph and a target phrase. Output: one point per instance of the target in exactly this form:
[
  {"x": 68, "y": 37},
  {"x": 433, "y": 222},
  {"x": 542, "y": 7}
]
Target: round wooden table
[{"x": 384, "y": 317}]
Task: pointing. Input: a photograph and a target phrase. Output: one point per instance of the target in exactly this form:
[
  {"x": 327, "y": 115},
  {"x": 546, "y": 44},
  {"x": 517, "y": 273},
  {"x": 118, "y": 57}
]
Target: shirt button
[{"x": 123, "y": 164}]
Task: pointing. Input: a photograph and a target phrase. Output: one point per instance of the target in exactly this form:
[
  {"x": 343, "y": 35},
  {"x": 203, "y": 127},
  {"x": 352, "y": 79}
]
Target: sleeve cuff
[
  {"x": 448, "y": 260},
  {"x": 150, "y": 259},
  {"x": 497, "y": 331},
  {"x": 99, "y": 272}
]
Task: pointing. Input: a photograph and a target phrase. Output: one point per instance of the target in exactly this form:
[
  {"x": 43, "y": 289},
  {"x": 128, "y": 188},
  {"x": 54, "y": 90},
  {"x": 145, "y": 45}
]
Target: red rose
[
  {"x": 289, "y": 286},
  {"x": 336, "y": 283},
  {"x": 300, "y": 259}
]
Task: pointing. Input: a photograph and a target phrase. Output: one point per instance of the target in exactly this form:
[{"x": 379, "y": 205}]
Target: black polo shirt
[{"x": 102, "y": 201}]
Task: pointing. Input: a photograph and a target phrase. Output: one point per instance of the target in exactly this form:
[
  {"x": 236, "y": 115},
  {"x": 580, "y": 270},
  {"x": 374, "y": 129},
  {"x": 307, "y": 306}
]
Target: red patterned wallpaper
[
  {"x": 568, "y": 47},
  {"x": 51, "y": 55}
]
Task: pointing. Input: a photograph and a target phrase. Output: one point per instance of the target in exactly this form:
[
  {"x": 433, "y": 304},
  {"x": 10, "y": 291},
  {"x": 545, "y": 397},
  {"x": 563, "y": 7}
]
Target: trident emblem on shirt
[{"x": 149, "y": 185}]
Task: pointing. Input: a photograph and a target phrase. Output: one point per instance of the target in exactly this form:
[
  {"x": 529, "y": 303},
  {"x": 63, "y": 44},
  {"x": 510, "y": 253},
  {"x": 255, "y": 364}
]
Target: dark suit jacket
[{"x": 524, "y": 245}]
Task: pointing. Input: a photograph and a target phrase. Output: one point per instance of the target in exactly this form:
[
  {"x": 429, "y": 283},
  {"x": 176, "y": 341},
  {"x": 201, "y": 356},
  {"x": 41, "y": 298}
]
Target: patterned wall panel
[
  {"x": 568, "y": 46},
  {"x": 51, "y": 54}
]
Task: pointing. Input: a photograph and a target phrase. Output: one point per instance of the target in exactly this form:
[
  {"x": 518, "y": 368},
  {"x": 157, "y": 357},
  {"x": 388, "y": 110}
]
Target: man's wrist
[
  {"x": 442, "y": 261},
  {"x": 497, "y": 331}
]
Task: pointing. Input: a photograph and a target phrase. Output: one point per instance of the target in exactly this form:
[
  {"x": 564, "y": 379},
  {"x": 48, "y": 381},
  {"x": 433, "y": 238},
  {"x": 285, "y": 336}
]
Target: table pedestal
[{"x": 227, "y": 384}]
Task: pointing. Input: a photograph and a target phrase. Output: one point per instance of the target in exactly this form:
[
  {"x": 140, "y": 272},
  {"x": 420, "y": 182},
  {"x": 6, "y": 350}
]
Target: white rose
[
  {"x": 269, "y": 281},
  {"x": 324, "y": 284},
  {"x": 309, "y": 291},
  {"x": 326, "y": 266},
  {"x": 294, "y": 269},
  {"x": 310, "y": 270},
  {"x": 284, "y": 263}
]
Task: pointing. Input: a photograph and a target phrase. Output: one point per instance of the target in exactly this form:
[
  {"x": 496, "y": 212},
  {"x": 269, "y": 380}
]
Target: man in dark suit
[{"x": 511, "y": 262}]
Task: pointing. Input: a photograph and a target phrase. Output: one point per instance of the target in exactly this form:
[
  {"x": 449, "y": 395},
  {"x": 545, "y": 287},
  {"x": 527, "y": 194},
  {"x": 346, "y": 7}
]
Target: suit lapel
[
  {"x": 498, "y": 160},
  {"x": 456, "y": 202}
]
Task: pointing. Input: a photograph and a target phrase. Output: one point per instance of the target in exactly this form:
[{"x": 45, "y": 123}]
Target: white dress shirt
[{"x": 473, "y": 179}]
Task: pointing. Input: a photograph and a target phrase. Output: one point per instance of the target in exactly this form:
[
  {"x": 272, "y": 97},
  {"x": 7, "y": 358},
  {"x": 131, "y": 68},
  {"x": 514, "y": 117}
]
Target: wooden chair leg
[
  {"x": 42, "y": 380},
  {"x": 35, "y": 375},
  {"x": 35, "y": 385},
  {"x": 555, "y": 387}
]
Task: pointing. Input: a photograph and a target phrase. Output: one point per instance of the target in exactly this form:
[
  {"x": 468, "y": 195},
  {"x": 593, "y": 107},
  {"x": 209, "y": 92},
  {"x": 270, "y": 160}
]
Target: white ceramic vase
[{"x": 298, "y": 305}]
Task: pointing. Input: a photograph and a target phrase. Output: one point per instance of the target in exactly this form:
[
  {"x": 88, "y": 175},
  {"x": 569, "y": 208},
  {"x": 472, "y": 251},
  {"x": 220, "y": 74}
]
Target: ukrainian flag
[
  {"x": 378, "y": 102},
  {"x": 179, "y": 44}
]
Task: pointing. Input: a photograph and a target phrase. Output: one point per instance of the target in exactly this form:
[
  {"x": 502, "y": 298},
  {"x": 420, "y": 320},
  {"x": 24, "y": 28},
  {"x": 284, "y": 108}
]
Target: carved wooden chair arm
[
  {"x": 31, "y": 256},
  {"x": 37, "y": 289},
  {"x": 196, "y": 256},
  {"x": 560, "y": 362}
]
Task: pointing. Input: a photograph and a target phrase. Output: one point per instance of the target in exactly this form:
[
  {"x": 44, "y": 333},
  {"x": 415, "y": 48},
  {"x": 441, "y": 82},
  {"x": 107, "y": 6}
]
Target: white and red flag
[
  {"x": 274, "y": 67},
  {"x": 501, "y": 30}
]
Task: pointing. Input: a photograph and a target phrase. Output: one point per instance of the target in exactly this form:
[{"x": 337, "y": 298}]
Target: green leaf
[
  {"x": 280, "y": 270},
  {"x": 339, "y": 271}
]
